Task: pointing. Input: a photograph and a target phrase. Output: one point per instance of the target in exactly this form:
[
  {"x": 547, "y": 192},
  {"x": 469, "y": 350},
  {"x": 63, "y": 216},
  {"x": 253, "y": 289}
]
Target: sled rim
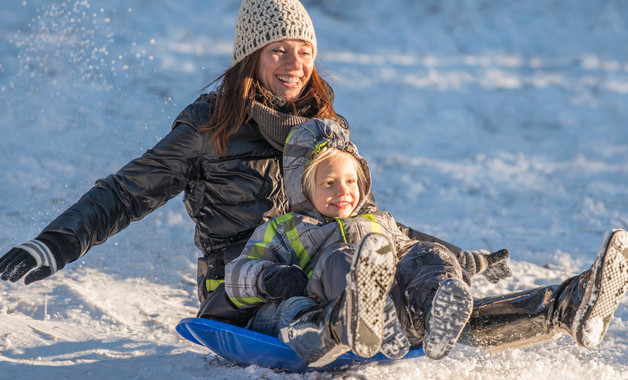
[{"x": 247, "y": 347}]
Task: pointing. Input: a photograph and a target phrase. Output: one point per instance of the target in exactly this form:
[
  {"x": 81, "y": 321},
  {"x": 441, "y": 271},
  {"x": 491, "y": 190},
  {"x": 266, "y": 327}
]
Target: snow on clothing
[
  {"x": 227, "y": 197},
  {"x": 306, "y": 238}
]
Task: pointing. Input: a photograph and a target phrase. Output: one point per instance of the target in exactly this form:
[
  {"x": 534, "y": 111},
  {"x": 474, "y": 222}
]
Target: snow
[
  {"x": 488, "y": 124},
  {"x": 593, "y": 330}
]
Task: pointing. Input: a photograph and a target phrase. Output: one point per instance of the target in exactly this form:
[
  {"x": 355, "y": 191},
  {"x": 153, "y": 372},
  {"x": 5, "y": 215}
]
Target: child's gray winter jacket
[{"x": 300, "y": 236}]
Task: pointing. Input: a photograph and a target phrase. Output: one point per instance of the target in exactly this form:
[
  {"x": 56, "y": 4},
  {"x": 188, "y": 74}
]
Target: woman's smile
[{"x": 285, "y": 67}]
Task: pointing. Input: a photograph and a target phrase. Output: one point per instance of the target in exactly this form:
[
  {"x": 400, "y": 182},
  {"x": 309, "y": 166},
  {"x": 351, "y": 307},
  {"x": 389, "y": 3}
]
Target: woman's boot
[
  {"x": 581, "y": 306},
  {"x": 355, "y": 320}
]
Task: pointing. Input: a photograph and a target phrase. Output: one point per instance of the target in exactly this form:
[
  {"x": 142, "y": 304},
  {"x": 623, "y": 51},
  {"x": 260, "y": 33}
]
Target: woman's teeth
[{"x": 288, "y": 79}]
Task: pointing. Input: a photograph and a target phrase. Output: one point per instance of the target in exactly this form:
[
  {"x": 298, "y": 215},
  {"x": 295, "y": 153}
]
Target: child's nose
[{"x": 343, "y": 189}]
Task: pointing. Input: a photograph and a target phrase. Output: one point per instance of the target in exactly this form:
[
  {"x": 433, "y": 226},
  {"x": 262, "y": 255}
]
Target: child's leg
[
  {"x": 354, "y": 320},
  {"x": 438, "y": 302},
  {"x": 329, "y": 280},
  {"x": 451, "y": 308},
  {"x": 271, "y": 317},
  {"x": 329, "y": 277}
]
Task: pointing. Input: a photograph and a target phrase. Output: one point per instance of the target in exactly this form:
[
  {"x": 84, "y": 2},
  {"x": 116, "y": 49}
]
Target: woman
[{"x": 223, "y": 152}]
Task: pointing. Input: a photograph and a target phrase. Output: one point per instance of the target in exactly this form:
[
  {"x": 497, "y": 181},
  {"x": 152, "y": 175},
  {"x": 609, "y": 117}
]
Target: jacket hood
[{"x": 303, "y": 141}]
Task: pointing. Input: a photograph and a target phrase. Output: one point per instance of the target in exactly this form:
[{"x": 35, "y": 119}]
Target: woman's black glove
[
  {"x": 33, "y": 256},
  {"x": 280, "y": 282},
  {"x": 492, "y": 265}
]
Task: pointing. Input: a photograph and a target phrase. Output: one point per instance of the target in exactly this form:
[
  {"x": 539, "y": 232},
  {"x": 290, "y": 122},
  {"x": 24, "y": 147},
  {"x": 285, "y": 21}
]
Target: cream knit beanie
[{"x": 261, "y": 22}]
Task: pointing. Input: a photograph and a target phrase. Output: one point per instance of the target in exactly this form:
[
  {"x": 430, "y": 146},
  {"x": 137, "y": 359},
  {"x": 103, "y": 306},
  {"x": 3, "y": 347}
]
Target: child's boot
[
  {"x": 355, "y": 320},
  {"x": 451, "y": 308},
  {"x": 395, "y": 344}
]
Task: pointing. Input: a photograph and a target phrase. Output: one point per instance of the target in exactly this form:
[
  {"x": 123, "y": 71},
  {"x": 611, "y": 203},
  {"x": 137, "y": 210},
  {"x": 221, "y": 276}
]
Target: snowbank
[{"x": 489, "y": 124}]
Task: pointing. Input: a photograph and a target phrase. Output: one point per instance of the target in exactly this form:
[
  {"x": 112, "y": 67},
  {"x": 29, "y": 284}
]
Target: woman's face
[{"x": 285, "y": 67}]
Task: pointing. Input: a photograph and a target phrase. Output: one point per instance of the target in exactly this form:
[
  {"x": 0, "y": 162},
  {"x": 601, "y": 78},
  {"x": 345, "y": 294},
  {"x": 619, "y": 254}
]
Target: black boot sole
[
  {"x": 395, "y": 344},
  {"x": 607, "y": 283},
  {"x": 451, "y": 309},
  {"x": 370, "y": 279}
]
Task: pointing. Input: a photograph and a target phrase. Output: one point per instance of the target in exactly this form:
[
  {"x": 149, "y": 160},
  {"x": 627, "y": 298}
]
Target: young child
[
  {"x": 346, "y": 256},
  {"x": 339, "y": 250}
]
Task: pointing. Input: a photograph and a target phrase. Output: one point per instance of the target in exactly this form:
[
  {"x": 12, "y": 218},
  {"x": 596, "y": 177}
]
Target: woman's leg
[{"x": 581, "y": 306}]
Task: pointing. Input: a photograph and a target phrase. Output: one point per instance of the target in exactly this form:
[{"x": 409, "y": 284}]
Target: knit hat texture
[{"x": 261, "y": 22}]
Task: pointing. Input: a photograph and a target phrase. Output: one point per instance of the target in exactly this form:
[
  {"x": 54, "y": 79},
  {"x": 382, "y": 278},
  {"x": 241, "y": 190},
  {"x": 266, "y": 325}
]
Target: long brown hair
[{"x": 236, "y": 93}]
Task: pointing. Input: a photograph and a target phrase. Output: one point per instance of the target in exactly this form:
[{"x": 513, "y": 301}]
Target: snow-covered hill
[{"x": 489, "y": 124}]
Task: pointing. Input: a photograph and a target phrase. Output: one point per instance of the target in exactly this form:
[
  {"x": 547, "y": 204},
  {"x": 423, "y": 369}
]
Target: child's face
[{"x": 336, "y": 190}]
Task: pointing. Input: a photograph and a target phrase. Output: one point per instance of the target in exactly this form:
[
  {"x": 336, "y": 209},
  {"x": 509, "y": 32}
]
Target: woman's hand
[
  {"x": 34, "y": 256},
  {"x": 492, "y": 265}
]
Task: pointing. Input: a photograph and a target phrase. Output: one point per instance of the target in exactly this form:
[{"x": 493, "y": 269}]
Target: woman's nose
[{"x": 293, "y": 60}]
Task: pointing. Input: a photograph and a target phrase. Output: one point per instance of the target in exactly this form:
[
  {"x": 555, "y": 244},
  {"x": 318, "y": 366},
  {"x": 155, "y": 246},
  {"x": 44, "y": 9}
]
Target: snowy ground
[{"x": 490, "y": 124}]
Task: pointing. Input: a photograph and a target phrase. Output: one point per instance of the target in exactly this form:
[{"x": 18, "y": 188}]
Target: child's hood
[{"x": 303, "y": 141}]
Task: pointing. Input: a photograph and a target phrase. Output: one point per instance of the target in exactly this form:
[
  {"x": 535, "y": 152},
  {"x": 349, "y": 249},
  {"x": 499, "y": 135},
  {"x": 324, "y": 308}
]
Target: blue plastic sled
[{"x": 249, "y": 347}]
